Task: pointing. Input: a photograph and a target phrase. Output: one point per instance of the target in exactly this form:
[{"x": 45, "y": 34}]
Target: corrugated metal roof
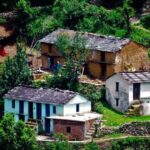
[
  {"x": 54, "y": 96},
  {"x": 93, "y": 41},
  {"x": 136, "y": 77}
]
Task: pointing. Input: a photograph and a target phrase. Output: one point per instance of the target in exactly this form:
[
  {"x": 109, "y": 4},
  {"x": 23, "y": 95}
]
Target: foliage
[
  {"x": 92, "y": 146},
  {"x": 14, "y": 136},
  {"x": 74, "y": 52},
  {"x": 60, "y": 137},
  {"x": 71, "y": 12},
  {"x": 75, "y": 55},
  {"x": 114, "y": 118},
  {"x": 145, "y": 21},
  {"x": 140, "y": 36},
  {"x": 127, "y": 12},
  {"x": 15, "y": 72},
  {"x": 2, "y": 20},
  {"x": 131, "y": 143}
]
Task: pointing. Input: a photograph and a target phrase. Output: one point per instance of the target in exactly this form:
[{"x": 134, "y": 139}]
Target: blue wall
[{"x": 8, "y": 109}]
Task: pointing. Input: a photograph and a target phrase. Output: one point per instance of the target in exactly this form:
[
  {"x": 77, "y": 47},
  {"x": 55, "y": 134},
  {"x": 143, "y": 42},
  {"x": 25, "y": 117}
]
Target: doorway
[
  {"x": 30, "y": 110},
  {"x": 47, "y": 125},
  {"x": 136, "y": 91}
]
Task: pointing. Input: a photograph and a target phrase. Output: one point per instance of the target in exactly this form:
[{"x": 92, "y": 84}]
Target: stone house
[
  {"x": 57, "y": 111},
  {"x": 107, "y": 54},
  {"x": 123, "y": 89}
]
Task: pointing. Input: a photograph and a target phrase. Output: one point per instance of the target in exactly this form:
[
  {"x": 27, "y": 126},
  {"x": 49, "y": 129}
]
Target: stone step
[
  {"x": 92, "y": 128},
  {"x": 130, "y": 110},
  {"x": 32, "y": 123},
  {"x": 88, "y": 136},
  {"x": 136, "y": 106},
  {"x": 31, "y": 126},
  {"x": 88, "y": 133}
]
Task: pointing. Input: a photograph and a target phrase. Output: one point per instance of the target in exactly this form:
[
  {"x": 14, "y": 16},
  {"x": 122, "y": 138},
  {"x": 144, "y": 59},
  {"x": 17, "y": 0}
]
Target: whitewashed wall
[
  {"x": 84, "y": 104},
  {"x": 123, "y": 93},
  {"x": 145, "y": 90},
  {"x": 145, "y": 109}
]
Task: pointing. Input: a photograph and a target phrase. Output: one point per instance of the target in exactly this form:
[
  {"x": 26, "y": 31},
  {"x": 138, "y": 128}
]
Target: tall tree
[
  {"x": 127, "y": 12},
  {"x": 15, "y": 72},
  {"x": 74, "y": 53}
]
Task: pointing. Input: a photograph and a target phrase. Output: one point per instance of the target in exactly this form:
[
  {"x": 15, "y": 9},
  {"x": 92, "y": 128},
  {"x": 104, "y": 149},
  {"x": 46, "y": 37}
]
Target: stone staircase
[
  {"x": 90, "y": 132},
  {"x": 134, "y": 109}
]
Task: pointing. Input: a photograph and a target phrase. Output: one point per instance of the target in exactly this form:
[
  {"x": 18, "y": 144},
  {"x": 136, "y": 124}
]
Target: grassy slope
[{"x": 114, "y": 118}]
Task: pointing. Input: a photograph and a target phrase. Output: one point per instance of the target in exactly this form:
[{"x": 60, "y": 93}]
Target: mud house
[
  {"x": 107, "y": 54},
  {"x": 123, "y": 89},
  {"x": 57, "y": 111}
]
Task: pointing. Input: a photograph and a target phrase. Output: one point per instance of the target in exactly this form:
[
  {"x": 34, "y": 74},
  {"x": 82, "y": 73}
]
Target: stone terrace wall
[{"x": 136, "y": 128}]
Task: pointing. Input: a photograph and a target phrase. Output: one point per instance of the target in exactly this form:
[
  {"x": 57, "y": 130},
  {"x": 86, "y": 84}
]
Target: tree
[
  {"x": 74, "y": 53},
  {"x": 15, "y": 72},
  {"x": 127, "y": 12},
  {"x": 145, "y": 21},
  {"x": 15, "y": 136}
]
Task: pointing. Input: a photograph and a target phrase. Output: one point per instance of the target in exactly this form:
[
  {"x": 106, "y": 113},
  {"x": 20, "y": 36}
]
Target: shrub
[
  {"x": 92, "y": 146},
  {"x": 131, "y": 143},
  {"x": 2, "y": 20},
  {"x": 145, "y": 21}
]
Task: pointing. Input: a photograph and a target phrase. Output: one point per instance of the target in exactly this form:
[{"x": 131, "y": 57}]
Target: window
[
  {"x": 77, "y": 107},
  {"x": 68, "y": 129},
  {"x": 13, "y": 103},
  {"x": 54, "y": 109},
  {"x": 117, "y": 101},
  {"x": 117, "y": 86}
]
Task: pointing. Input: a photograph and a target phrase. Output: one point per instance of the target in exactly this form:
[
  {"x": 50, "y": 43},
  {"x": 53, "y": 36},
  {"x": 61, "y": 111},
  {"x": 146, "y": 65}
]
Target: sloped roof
[
  {"x": 136, "y": 77},
  {"x": 93, "y": 41},
  {"x": 40, "y": 95}
]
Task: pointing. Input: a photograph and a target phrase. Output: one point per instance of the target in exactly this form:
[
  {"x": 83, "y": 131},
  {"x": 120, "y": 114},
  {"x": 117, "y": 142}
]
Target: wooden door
[
  {"x": 30, "y": 110},
  {"x": 136, "y": 91},
  {"x": 21, "y": 107},
  {"x": 47, "y": 125},
  {"x": 38, "y": 110}
]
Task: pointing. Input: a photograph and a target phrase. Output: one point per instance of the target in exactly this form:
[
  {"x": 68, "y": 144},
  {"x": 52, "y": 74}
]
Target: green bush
[
  {"x": 145, "y": 21},
  {"x": 92, "y": 146},
  {"x": 2, "y": 20},
  {"x": 131, "y": 143},
  {"x": 140, "y": 36}
]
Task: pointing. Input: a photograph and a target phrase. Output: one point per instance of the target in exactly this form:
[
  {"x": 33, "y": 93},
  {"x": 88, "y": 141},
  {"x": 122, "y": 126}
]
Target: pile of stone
[
  {"x": 136, "y": 128},
  {"x": 107, "y": 131}
]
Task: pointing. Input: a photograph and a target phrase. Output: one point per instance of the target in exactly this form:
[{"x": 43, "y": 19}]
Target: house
[
  {"x": 123, "y": 89},
  {"x": 107, "y": 54},
  {"x": 57, "y": 111}
]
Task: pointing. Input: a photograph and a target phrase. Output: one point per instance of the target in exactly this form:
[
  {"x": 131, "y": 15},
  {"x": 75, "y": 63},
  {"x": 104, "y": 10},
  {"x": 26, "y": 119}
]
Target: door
[
  {"x": 21, "y": 107},
  {"x": 38, "y": 110},
  {"x": 30, "y": 110},
  {"x": 103, "y": 71},
  {"x": 103, "y": 58},
  {"x": 136, "y": 91},
  {"x": 47, "y": 110},
  {"x": 47, "y": 125}
]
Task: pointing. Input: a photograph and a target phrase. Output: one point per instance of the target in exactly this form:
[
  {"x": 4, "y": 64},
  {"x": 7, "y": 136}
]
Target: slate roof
[
  {"x": 136, "y": 77},
  {"x": 93, "y": 41},
  {"x": 41, "y": 95}
]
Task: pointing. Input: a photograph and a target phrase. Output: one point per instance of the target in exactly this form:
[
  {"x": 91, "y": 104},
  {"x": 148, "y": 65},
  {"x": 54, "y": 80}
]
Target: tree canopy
[{"x": 16, "y": 71}]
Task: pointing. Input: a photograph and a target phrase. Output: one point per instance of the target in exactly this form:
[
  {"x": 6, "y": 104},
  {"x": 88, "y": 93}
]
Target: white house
[
  {"x": 56, "y": 110},
  {"x": 122, "y": 89}
]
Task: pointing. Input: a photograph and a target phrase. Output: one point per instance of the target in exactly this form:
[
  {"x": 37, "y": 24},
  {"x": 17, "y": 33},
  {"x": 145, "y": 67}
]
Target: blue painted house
[{"x": 47, "y": 106}]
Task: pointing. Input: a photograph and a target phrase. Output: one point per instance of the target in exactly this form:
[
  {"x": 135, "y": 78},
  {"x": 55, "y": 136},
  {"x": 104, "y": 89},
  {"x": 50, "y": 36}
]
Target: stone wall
[{"x": 136, "y": 128}]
